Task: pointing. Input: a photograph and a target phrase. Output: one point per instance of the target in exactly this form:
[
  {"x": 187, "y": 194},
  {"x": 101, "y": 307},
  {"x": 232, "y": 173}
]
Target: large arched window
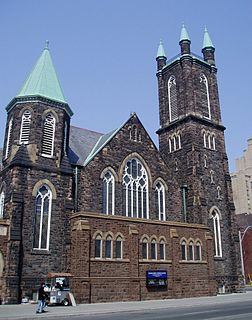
[
  {"x": 48, "y": 135},
  {"x": 42, "y": 218},
  {"x": 9, "y": 134},
  {"x": 108, "y": 193},
  {"x": 2, "y": 197},
  {"x": 160, "y": 201},
  {"x": 25, "y": 127},
  {"x": 135, "y": 190},
  {"x": 172, "y": 99},
  {"x": 217, "y": 233},
  {"x": 204, "y": 95}
]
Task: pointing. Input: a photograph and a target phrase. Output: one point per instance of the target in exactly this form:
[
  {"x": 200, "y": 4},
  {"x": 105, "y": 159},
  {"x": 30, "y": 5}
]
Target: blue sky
[{"x": 104, "y": 54}]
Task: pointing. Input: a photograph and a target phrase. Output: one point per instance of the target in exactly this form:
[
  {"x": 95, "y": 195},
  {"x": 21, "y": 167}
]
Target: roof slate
[{"x": 81, "y": 143}]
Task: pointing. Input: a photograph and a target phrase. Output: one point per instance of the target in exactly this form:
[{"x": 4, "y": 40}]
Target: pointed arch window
[
  {"x": 219, "y": 193},
  {"x": 154, "y": 249},
  {"x": 160, "y": 200},
  {"x": 198, "y": 251},
  {"x": 2, "y": 198},
  {"x": 135, "y": 190},
  {"x": 204, "y": 94},
  {"x": 98, "y": 246},
  {"x": 217, "y": 233},
  {"x": 48, "y": 135},
  {"x": 145, "y": 249},
  {"x": 108, "y": 193},
  {"x": 9, "y": 135},
  {"x": 108, "y": 247},
  {"x": 25, "y": 127},
  {"x": 42, "y": 219},
  {"x": 183, "y": 250},
  {"x": 162, "y": 250},
  {"x": 118, "y": 247},
  {"x": 65, "y": 138},
  {"x": 191, "y": 250},
  {"x": 172, "y": 99}
]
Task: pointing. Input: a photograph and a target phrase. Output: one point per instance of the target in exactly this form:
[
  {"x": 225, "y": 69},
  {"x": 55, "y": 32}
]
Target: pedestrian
[{"x": 41, "y": 298}]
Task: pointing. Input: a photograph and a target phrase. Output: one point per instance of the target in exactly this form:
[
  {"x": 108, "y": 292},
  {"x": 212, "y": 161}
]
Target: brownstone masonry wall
[{"x": 103, "y": 279}]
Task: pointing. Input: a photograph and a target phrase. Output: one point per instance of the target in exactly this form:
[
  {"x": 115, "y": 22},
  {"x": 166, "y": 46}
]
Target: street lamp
[{"x": 241, "y": 237}]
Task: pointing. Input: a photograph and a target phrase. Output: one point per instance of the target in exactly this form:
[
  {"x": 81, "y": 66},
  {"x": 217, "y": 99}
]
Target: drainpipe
[{"x": 76, "y": 189}]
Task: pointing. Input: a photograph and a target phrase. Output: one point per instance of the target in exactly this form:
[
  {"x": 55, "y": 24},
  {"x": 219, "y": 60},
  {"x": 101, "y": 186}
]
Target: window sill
[
  {"x": 40, "y": 251},
  {"x": 47, "y": 156},
  {"x": 154, "y": 261},
  {"x": 193, "y": 261},
  {"x": 109, "y": 260},
  {"x": 219, "y": 259}
]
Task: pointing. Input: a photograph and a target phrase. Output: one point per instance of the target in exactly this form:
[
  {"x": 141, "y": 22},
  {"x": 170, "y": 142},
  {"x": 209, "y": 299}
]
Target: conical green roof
[
  {"x": 184, "y": 34},
  {"x": 43, "y": 81},
  {"x": 161, "y": 52},
  {"x": 207, "y": 42}
]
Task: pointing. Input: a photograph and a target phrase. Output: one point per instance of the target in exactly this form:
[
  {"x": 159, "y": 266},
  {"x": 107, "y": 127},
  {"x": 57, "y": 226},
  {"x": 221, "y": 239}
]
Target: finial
[
  {"x": 207, "y": 42},
  {"x": 47, "y": 44},
  {"x": 161, "y": 52},
  {"x": 184, "y": 34}
]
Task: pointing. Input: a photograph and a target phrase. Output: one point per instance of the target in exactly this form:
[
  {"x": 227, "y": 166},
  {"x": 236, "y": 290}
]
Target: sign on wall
[{"x": 156, "y": 278}]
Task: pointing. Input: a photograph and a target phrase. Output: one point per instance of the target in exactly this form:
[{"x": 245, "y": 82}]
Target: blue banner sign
[{"x": 156, "y": 278}]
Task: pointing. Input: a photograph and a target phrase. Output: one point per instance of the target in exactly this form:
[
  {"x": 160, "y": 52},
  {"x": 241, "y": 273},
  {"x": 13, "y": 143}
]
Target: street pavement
[{"x": 28, "y": 311}]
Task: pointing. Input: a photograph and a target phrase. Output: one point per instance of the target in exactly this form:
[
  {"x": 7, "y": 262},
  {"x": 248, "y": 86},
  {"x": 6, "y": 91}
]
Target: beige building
[{"x": 242, "y": 182}]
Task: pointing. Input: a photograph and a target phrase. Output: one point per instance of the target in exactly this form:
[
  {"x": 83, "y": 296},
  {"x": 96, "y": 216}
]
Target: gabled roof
[
  {"x": 85, "y": 144},
  {"x": 43, "y": 80}
]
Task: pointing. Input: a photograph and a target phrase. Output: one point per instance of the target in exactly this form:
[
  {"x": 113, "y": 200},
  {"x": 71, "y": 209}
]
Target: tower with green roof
[
  {"x": 191, "y": 140},
  {"x": 36, "y": 169}
]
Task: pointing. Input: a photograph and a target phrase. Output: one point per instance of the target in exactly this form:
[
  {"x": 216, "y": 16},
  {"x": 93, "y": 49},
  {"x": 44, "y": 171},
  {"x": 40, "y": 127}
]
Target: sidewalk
[{"x": 27, "y": 311}]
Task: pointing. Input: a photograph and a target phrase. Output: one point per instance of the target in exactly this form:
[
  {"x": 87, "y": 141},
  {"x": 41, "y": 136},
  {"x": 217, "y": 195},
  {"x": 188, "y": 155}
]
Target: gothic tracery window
[
  {"x": 172, "y": 99},
  {"x": 217, "y": 233},
  {"x": 135, "y": 190},
  {"x": 108, "y": 193},
  {"x": 204, "y": 93},
  {"x": 160, "y": 201},
  {"x": 42, "y": 218},
  {"x": 48, "y": 135},
  {"x": 25, "y": 127}
]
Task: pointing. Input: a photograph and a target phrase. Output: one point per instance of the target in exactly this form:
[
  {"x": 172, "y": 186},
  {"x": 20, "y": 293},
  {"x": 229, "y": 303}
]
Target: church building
[{"x": 125, "y": 219}]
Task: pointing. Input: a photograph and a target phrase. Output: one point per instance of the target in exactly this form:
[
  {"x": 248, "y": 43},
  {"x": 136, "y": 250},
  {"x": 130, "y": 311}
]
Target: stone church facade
[{"x": 110, "y": 209}]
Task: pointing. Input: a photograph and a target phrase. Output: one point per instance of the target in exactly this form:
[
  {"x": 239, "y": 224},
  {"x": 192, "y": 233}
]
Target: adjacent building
[
  {"x": 242, "y": 191},
  {"x": 112, "y": 209}
]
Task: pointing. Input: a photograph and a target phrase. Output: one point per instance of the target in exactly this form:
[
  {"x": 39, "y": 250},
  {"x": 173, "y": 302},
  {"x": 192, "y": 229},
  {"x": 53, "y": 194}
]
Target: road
[
  {"x": 222, "y": 307},
  {"x": 229, "y": 311}
]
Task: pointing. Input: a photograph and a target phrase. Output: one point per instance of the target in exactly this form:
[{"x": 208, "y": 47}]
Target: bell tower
[
  {"x": 36, "y": 172},
  {"x": 191, "y": 140}
]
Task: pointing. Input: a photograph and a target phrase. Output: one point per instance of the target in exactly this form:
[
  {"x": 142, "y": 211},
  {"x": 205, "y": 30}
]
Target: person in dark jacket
[{"x": 41, "y": 298}]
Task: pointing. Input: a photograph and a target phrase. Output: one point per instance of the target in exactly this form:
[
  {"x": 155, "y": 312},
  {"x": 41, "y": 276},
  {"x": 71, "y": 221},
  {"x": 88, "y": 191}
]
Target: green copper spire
[
  {"x": 207, "y": 42},
  {"x": 184, "y": 34},
  {"x": 161, "y": 52},
  {"x": 43, "y": 81}
]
